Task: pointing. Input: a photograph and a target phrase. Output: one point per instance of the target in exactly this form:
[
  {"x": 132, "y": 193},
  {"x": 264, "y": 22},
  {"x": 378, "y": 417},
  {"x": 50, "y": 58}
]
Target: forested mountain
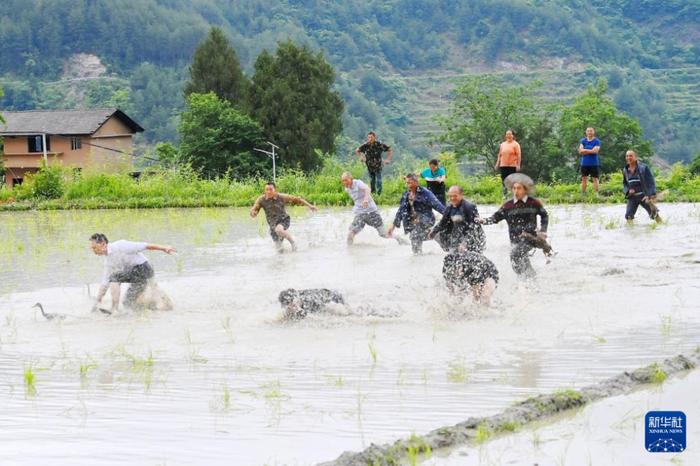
[{"x": 396, "y": 59}]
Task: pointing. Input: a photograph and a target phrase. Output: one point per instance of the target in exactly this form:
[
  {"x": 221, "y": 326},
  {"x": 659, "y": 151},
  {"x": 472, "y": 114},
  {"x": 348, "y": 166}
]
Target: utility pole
[
  {"x": 272, "y": 154},
  {"x": 43, "y": 146}
]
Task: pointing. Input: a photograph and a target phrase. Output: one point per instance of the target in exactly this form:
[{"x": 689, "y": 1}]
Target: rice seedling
[
  {"x": 666, "y": 326},
  {"x": 29, "y": 381},
  {"x": 457, "y": 371},
  {"x": 658, "y": 375},
  {"x": 372, "y": 352},
  {"x": 193, "y": 355},
  {"x": 483, "y": 433},
  {"x": 336, "y": 381},
  {"x": 226, "y": 325},
  {"x": 223, "y": 402},
  {"x": 417, "y": 448}
]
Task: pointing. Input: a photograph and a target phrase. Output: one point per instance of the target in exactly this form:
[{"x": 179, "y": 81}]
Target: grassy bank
[{"x": 55, "y": 188}]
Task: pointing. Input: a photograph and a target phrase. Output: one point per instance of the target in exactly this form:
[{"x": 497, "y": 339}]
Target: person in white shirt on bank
[{"x": 124, "y": 263}]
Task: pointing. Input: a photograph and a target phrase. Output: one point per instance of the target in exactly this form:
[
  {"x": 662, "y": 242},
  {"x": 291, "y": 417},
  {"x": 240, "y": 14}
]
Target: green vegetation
[
  {"x": 548, "y": 133},
  {"x": 215, "y": 68},
  {"x": 29, "y": 381},
  {"x": 215, "y": 138},
  {"x": 483, "y": 433},
  {"x": 182, "y": 187},
  {"x": 292, "y": 98},
  {"x": 394, "y": 58},
  {"x": 658, "y": 375}
]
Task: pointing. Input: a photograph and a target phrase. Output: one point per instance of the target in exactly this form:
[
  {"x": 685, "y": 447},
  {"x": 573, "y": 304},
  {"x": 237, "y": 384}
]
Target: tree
[
  {"x": 216, "y": 138},
  {"x": 292, "y": 98},
  {"x": 215, "y": 68},
  {"x": 481, "y": 113},
  {"x": 617, "y": 132}
]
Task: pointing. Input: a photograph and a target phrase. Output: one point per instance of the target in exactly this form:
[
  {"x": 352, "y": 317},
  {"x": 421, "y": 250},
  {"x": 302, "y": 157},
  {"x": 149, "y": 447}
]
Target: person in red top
[{"x": 509, "y": 156}]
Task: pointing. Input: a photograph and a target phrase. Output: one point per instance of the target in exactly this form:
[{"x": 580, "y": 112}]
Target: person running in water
[
  {"x": 458, "y": 229},
  {"x": 639, "y": 187},
  {"x": 416, "y": 213},
  {"x": 434, "y": 177},
  {"x": 509, "y": 157},
  {"x": 470, "y": 271},
  {"x": 273, "y": 203},
  {"x": 521, "y": 214},
  {"x": 588, "y": 149},
  {"x": 364, "y": 208},
  {"x": 371, "y": 154},
  {"x": 124, "y": 263}
]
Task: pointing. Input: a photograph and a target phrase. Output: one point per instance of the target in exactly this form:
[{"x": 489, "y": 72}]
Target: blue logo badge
[{"x": 664, "y": 431}]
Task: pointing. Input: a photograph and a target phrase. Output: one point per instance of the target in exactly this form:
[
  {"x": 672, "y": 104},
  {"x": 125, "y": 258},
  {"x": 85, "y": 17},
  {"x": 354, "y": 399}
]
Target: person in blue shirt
[
  {"x": 416, "y": 213},
  {"x": 434, "y": 177},
  {"x": 589, "y": 149}
]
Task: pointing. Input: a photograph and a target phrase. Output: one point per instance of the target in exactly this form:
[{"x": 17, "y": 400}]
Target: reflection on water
[{"x": 221, "y": 381}]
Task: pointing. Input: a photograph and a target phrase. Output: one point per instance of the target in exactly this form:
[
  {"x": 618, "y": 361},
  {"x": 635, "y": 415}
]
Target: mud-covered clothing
[
  {"x": 311, "y": 300},
  {"x": 373, "y": 155},
  {"x": 137, "y": 276},
  {"x": 122, "y": 256},
  {"x": 463, "y": 269},
  {"x": 521, "y": 216},
  {"x": 641, "y": 180},
  {"x": 417, "y": 209},
  {"x": 458, "y": 226},
  {"x": 416, "y": 214},
  {"x": 633, "y": 203},
  {"x": 275, "y": 212},
  {"x": 372, "y": 219}
]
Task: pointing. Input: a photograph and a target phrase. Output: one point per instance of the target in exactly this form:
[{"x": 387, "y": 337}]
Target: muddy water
[{"x": 221, "y": 381}]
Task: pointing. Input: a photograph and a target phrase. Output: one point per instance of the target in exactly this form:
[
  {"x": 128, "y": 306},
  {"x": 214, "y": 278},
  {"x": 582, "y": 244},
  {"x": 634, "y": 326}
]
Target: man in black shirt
[
  {"x": 521, "y": 214},
  {"x": 459, "y": 230},
  {"x": 371, "y": 153}
]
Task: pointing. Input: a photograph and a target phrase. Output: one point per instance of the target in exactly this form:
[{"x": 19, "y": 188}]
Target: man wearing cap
[
  {"x": 521, "y": 214},
  {"x": 416, "y": 213},
  {"x": 639, "y": 187},
  {"x": 458, "y": 230},
  {"x": 364, "y": 208}
]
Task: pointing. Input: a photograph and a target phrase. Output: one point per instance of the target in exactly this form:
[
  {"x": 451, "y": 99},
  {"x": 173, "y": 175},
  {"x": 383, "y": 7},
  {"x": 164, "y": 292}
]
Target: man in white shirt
[
  {"x": 364, "y": 208},
  {"x": 124, "y": 263}
]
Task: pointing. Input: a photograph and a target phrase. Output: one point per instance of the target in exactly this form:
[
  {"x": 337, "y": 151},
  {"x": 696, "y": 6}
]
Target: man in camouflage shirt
[
  {"x": 371, "y": 153},
  {"x": 273, "y": 203}
]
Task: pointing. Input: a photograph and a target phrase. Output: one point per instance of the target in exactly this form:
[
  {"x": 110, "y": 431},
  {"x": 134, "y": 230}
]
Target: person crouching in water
[
  {"x": 466, "y": 271},
  {"x": 521, "y": 214},
  {"x": 124, "y": 263},
  {"x": 297, "y": 304},
  {"x": 639, "y": 187},
  {"x": 416, "y": 213},
  {"x": 458, "y": 227}
]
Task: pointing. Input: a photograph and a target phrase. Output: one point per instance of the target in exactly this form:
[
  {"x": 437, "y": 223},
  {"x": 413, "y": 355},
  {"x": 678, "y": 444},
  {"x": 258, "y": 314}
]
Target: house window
[
  {"x": 17, "y": 181},
  {"x": 76, "y": 143},
  {"x": 35, "y": 143}
]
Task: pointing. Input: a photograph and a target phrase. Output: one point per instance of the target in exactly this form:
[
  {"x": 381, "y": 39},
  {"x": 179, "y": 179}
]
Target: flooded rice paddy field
[{"x": 220, "y": 380}]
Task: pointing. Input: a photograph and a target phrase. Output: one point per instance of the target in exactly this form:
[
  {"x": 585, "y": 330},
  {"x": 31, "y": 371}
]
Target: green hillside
[{"x": 397, "y": 60}]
